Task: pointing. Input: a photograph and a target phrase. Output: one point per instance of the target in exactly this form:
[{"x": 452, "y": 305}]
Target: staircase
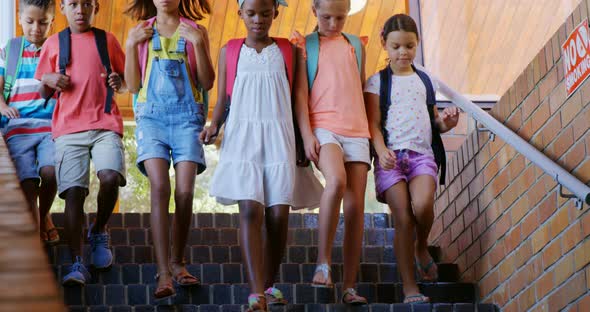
[{"x": 213, "y": 255}]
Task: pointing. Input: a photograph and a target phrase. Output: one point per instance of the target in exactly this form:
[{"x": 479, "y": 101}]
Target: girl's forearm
[
  {"x": 205, "y": 71},
  {"x": 132, "y": 75}
]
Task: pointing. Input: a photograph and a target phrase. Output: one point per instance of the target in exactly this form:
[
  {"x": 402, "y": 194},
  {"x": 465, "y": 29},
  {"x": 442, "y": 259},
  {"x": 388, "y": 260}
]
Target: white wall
[{"x": 7, "y": 20}]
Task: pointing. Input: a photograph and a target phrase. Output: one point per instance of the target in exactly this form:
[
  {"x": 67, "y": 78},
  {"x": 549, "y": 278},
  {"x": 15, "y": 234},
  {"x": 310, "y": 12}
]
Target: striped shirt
[{"x": 35, "y": 116}]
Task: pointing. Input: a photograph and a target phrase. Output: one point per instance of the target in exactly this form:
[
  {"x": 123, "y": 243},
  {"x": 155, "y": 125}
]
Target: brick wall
[{"x": 500, "y": 218}]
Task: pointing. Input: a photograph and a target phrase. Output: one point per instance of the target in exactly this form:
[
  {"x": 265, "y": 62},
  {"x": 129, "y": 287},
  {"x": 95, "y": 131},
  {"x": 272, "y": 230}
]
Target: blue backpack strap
[
  {"x": 312, "y": 49},
  {"x": 438, "y": 147},
  {"x": 64, "y": 49},
  {"x": 358, "y": 49}
]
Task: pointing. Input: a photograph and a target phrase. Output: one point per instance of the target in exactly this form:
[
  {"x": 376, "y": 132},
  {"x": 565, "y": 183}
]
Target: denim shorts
[
  {"x": 74, "y": 152},
  {"x": 409, "y": 165},
  {"x": 30, "y": 153},
  {"x": 169, "y": 132}
]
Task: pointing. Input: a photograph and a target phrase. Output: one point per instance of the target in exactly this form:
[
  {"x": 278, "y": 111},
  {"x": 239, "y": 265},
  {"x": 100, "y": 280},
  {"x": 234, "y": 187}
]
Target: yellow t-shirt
[{"x": 168, "y": 52}]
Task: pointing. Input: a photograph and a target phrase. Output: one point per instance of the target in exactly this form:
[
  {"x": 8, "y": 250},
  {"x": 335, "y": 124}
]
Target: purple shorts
[{"x": 408, "y": 166}]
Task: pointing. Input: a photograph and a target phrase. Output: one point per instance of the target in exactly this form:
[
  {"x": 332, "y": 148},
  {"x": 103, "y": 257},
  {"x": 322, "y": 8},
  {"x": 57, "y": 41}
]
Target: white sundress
[{"x": 257, "y": 159}]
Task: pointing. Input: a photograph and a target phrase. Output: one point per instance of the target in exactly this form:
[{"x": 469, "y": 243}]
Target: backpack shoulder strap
[
  {"x": 312, "y": 49},
  {"x": 358, "y": 49},
  {"x": 385, "y": 98},
  {"x": 64, "y": 49},
  {"x": 14, "y": 53},
  {"x": 287, "y": 51},
  {"x": 232, "y": 54},
  {"x": 100, "y": 37}
]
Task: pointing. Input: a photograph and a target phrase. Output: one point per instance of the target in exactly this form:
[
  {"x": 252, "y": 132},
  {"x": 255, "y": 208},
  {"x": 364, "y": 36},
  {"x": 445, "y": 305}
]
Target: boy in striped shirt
[{"x": 27, "y": 116}]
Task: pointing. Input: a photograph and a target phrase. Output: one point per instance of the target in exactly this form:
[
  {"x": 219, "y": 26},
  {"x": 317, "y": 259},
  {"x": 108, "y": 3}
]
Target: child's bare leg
[
  {"x": 398, "y": 199},
  {"x": 108, "y": 194},
  {"x": 277, "y": 228},
  {"x": 251, "y": 218},
  {"x": 157, "y": 171},
  {"x": 354, "y": 209},
  {"x": 48, "y": 189},
  {"x": 74, "y": 217},
  {"x": 332, "y": 166},
  {"x": 31, "y": 190},
  {"x": 183, "y": 197},
  {"x": 422, "y": 190}
]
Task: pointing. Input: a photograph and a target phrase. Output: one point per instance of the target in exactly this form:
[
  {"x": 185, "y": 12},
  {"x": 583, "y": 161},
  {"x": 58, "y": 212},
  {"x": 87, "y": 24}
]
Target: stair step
[
  {"x": 141, "y": 294},
  {"x": 376, "y": 307},
  {"x": 230, "y": 236},
  {"x": 236, "y": 273},
  {"x": 296, "y": 220}
]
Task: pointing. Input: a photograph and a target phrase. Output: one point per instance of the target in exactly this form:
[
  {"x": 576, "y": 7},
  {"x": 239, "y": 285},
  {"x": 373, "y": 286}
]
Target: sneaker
[
  {"x": 78, "y": 274},
  {"x": 101, "y": 257}
]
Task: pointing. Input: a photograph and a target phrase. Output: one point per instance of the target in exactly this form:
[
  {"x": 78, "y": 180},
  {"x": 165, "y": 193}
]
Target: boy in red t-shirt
[{"x": 85, "y": 127}]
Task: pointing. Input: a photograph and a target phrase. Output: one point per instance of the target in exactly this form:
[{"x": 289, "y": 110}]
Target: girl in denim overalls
[{"x": 169, "y": 66}]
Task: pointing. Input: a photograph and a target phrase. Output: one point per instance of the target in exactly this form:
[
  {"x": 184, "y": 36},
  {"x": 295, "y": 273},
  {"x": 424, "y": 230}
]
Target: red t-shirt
[{"x": 81, "y": 106}]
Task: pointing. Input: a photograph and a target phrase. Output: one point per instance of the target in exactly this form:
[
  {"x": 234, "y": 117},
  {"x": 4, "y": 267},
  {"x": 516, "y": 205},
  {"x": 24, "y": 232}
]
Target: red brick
[
  {"x": 583, "y": 171},
  {"x": 585, "y": 221},
  {"x": 544, "y": 284},
  {"x": 551, "y": 253},
  {"x": 518, "y": 281},
  {"x": 571, "y": 290},
  {"x": 557, "y": 97},
  {"x": 519, "y": 209},
  {"x": 476, "y": 186},
  {"x": 548, "y": 83},
  {"x": 523, "y": 254},
  {"x": 585, "y": 90},
  {"x": 493, "y": 211},
  {"x": 506, "y": 269},
  {"x": 530, "y": 104},
  {"x": 530, "y": 223},
  {"x": 500, "y": 295},
  {"x": 512, "y": 306},
  {"x": 540, "y": 238},
  {"x": 561, "y": 144},
  {"x": 514, "y": 122},
  {"x": 551, "y": 129},
  {"x": 526, "y": 299},
  {"x": 572, "y": 237},
  {"x": 582, "y": 255},
  {"x": 470, "y": 213},
  {"x": 512, "y": 239},
  {"x": 571, "y": 108},
  {"x": 496, "y": 254},
  {"x": 479, "y": 226},
  {"x": 482, "y": 158},
  {"x": 503, "y": 225},
  {"x": 454, "y": 189},
  {"x": 457, "y": 228},
  {"x": 580, "y": 123},
  {"x": 540, "y": 116},
  {"x": 564, "y": 269},
  {"x": 485, "y": 198},
  {"x": 462, "y": 201},
  {"x": 584, "y": 303},
  {"x": 442, "y": 202},
  {"x": 559, "y": 222},
  {"x": 539, "y": 58},
  {"x": 488, "y": 239},
  {"x": 574, "y": 156},
  {"x": 468, "y": 173},
  {"x": 499, "y": 183},
  {"x": 448, "y": 217},
  {"x": 464, "y": 240},
  {"x": 547, "y": 208},
  {"x": 526, "y": 131},
  {"x": 452, "y": 252},
  {"x": 489, "y": 283},
  {"x": 536, "y": 192},
  {"x": 496, "y": 146},
  {"x": 453, "y": 143}
]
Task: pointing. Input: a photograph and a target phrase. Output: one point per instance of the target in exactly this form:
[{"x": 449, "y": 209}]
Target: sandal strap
[
  {"x": 352, "y": 292},
  {"x": 274, "y": 292},
  {"x": 324, "y": 268},
  {"x": 255, "y": 299}
]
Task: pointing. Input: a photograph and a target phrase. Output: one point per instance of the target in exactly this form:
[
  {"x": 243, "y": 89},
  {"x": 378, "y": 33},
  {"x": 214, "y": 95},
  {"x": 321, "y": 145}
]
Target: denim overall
[{"x": 169, "y": 122}]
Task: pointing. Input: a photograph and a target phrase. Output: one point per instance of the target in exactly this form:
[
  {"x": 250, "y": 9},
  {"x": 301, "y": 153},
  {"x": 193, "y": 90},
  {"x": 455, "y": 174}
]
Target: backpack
[
  {"x": 312, "y": 48},
  {"x": 15, "y": 47},
  {"x": 190, "y": 53},
  {"x": 385, "y": 102},
  {"x": 232, "y": 55},
  {"x": 100, "y": 38}
]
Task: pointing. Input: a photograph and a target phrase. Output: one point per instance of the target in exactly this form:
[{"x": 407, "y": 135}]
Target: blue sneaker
[
  {"x": 101, "y": 256},
  {"x": 78, "y": 274}
]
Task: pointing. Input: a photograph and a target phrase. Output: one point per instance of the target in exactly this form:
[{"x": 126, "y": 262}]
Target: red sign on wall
[{"x": 576, "y": 52}]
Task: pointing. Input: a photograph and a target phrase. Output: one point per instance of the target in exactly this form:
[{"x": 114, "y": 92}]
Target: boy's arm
[{"x": 46, "y": 71}]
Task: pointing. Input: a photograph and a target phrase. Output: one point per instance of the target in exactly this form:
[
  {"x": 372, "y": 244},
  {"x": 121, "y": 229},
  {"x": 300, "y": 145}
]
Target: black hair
[
  {"x": 401, "y": 22},
  {"x": 45, "y": 5},
  {"x": 192, "y": 9}
]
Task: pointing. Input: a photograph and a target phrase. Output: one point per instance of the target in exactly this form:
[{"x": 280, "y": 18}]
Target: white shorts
[{"x": 354, "y": 149}]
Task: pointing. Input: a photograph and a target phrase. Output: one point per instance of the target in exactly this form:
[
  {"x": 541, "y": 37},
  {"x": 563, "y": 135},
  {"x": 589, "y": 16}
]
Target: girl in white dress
[{"x": 257, "y": 167}]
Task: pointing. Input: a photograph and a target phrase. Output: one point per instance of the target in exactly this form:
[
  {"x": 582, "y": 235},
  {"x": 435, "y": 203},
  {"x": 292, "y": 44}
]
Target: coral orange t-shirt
[
  {"x": 336, "y": 100},
  {"x": 81, "y": 106}
]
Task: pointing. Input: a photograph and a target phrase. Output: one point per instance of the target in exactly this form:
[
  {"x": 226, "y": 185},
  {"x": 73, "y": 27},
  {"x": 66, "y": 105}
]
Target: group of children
[{"x": 283, "y": 106}]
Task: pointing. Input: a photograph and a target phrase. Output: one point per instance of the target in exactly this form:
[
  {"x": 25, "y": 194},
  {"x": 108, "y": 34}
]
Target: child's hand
[
  {"x": 387, "y": 159},
  {"x": 9, "y": 112},
  {"x": 209, "y": 134},
  {"x": 450, "y": 117},
  {"x": 56, "y": 81},
  {"x": 195, "y": 35},
  {"x": 312, "y": 148},
  {"x": 115, "y": 81},
  {"x": 139, "y": 34}
]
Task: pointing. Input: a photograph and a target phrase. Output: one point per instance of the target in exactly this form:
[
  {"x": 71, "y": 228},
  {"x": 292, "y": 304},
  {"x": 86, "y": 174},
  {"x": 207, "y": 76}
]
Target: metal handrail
[{"x": 580, "y": 190}]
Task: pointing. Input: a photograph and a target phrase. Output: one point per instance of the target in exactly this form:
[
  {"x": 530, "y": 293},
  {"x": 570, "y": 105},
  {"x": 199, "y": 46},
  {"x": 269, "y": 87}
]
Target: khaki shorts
[
  {"x": 73, "y": 154},
  {"x": 354, "y": 149}
]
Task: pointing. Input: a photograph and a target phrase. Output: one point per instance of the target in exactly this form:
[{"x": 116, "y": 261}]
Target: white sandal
[{"x": 325, "y": 269}]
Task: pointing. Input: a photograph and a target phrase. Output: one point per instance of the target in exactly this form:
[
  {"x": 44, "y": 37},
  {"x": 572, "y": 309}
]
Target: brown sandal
[
  {"x": 164, "y": 292},
  {"x": 183, "y": 278}
]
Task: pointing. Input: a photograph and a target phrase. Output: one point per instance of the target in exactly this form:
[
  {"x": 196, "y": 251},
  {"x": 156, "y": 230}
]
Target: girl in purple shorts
[{"x": 405, "y": 132}]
